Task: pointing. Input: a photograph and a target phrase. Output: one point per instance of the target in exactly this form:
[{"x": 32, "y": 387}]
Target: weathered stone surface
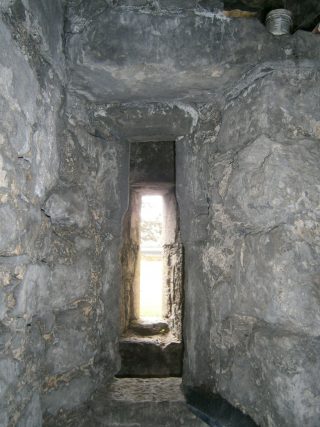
[
  {"x": 72, "y": 346},
  {"x": 9, "y": 229},
  {"x": 152, "y": 356},
  {"x": 143, "y": 402},
  {"x": 241, "y": 106},
  {"x": 46, "y": 155},
  {"x": 9, "y": 374},
  {"x": 67, "y": 209},
  {"x": 251, "y": 235},
  {"x": 259, "y": 197},
  {"x": 276, "y": 280},
  {"x": 33, "y": 296},
  {"x": 32, "y": 416},
  {"x": 148, "y": 327},
  {"x": 69, "y": 283},
  {"x": 110, "y": 59},
  {"x": 43, "y": 289},
  {"x": 132, "y": 402},
  {"x": 85, "y": 211},
  {"x": 269, "y": 100},
  {"x": 70, "y": 396},
  {"x": 30, "y": 99},
  {"x": 145, "y": 122},
  {"x": 38, "y": 28},
  {"x": 289, "y": 367},
  {"x": 152, "y": 162},
  {"x": 9, "y": 378}
]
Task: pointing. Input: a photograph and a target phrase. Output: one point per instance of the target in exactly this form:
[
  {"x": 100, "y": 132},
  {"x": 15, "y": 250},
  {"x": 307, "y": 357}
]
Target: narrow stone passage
[{"x": 201, "y": 104}]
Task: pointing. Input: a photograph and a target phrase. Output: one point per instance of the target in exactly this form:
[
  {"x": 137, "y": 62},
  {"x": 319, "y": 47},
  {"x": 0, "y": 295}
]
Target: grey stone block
[
  {"x": 33, "y": 295},
  {"x": 43, "y": 289},
  {"x": 73, "y": 344},
  {"x": 32, "y": 415},
  {"x": 9, "y": 230},
  {"x": 268, "y": 187},
  {"x": 68, "y": 396},
  {"x": 9, "y": 373},
  {"x": 67, "y": 209}
]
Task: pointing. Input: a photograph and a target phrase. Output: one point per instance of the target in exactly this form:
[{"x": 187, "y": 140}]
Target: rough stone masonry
[{"x": 79, "y": 81}]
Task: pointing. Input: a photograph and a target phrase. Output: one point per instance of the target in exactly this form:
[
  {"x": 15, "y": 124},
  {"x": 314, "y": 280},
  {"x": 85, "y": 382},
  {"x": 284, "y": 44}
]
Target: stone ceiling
[{"x": 143, "y": 50}]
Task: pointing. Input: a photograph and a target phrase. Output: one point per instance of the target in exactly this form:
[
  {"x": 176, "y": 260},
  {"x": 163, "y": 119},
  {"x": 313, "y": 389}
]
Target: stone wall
[
  {"x": 242, "y": 108},
  {"x": 60, "y": 218},
  {"x": 247, "y": 177},
  {"x": 249, "y": 200},
  {"x": 85, "y": 211},
  {"x": 31, "y": 68}
]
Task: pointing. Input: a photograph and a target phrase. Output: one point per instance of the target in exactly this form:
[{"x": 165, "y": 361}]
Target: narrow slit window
[
  {"x": 151, "y": 257},
  {"x": 152, "y": 266}
]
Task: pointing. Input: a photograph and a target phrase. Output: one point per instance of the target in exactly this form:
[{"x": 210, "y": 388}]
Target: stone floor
[
  {"x": 134, "y": 402},
  {"x": 156, "y": 402}
]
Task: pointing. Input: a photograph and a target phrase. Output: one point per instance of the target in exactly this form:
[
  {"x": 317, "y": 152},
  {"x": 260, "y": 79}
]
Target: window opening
[
  {"x": 152, "y": 266},
  {"x": 151, "y": 257}
]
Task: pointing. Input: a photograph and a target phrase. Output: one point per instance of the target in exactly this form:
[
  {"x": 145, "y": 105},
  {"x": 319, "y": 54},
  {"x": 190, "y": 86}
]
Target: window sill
[{"x": 149, "y": 327}]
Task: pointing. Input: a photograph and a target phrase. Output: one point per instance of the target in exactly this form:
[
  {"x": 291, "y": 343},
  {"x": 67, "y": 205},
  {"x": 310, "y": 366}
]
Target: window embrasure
[{"x": 152, "y": 252}]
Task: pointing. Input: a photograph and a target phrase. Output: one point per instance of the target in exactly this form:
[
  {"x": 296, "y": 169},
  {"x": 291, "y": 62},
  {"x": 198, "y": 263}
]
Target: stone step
[
  {"x": 156, "y": 356},
  {"x": 140, "y": 402}
]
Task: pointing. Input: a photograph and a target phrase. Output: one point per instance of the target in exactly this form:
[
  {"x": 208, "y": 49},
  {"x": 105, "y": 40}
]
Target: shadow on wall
[{"x": 216, "y": 411}]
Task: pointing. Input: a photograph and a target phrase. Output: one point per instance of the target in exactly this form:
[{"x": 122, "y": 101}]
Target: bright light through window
[{"x": 151, "y": 228}]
